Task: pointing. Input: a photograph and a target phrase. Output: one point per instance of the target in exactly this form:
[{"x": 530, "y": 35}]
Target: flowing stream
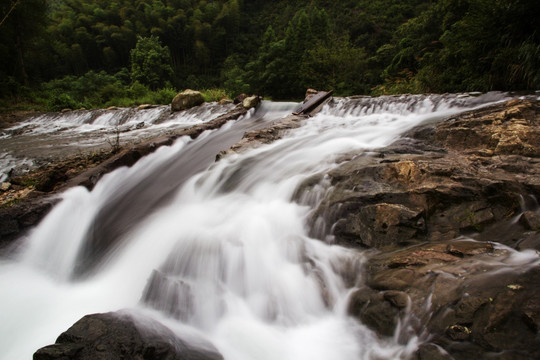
[{"x": 216, "y": 249}]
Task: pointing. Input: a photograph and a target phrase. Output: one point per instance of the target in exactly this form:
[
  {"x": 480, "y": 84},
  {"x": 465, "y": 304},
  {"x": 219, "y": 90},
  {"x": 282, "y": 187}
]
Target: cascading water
[{"x": 220, "y": 249}]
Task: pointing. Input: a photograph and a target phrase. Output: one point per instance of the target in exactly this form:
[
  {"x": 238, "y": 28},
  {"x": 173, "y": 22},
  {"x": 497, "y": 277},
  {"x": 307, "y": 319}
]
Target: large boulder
[
  {"x": 251, "y": 101},
  {"x": 186, "y": 100},
  {"x": 122, "y": 335}
]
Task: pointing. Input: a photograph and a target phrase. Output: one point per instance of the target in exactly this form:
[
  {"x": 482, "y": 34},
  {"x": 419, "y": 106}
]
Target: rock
[
  {"x": 458, "y": 332},
  {"x": 146, "y": 106},
  {"x": 186, "y": 100},
  {"x": 251, "y": 102},
  {"x": 225, "y": 101},
  {"x": 430, "y": 351},
  {"x": 111, "y": 108},
  {"x": 456, "y": 292},
  {"x": 531, "y": 220},
  {"x": 381, "y": 225},
  {"x": 373, "y": 311},
  {"x": 140, "y": 125},
  {"x": 5, "y": 186},
  {"x": 17, "y": 216},
  {"x": 122, "y": 335},
  {"x": 310, "y": 93},
  {"x": 398, "y": 299},
  {"x": 440, "y": 182},
  {"x": 239, "y": 99}
]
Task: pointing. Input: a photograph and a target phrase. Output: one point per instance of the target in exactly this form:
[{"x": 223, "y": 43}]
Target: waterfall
[{"x": 217, "y": 248}]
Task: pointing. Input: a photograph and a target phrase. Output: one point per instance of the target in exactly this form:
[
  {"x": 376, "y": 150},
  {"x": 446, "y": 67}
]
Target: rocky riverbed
[
  {"x": 447, "y": 216},
  {"x": 444, "y": 211}
]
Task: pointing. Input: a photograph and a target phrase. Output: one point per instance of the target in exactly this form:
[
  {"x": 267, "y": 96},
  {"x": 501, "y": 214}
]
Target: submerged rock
[{"x": 122, "y": 335}]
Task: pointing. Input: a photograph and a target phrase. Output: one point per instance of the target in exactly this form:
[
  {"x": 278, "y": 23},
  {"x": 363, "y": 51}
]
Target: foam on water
[{"x": 228, "y": 256}]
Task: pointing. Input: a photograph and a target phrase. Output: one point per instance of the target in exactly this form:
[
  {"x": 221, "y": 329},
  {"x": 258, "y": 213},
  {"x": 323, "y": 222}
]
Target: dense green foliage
[{"x": 94, "y": 53}]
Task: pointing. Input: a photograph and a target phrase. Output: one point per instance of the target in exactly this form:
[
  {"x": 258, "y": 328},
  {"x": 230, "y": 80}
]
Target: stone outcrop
[
  {"x": 186, "y": 100},
  {"x": 438, "y": 209},
  {"x": 468, "y": 299},
  {"x": 121, "y": 335},
  {"x": 458, "y": 178}
]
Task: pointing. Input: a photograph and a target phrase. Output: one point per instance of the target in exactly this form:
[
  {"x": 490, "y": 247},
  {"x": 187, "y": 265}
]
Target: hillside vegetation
[{"x": 73, "y": 53}]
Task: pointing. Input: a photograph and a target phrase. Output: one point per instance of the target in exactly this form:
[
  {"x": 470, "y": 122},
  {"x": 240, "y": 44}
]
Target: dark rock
[
  {"x": 122, "y": 335},
  {"x": 430, "y": 351},
  {"x": 239, "y": 99},
  {"x": 398, "y": 299},
  {"x": 22, "y": 216},
  {"x": 531, "y": 220},
  {"x": 458, "y": 332},
  {"x": 373, "y": 311}
]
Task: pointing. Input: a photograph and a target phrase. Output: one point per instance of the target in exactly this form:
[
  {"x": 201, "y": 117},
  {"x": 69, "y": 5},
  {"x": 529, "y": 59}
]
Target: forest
[{"x": 58, "y": 54}]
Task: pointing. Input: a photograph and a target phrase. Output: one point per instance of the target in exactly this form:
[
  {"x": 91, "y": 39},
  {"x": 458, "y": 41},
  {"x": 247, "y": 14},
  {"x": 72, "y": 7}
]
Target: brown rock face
[
  {"x": 450, "y": 180},
  {"x": 469, "y": 296},
  {"x": 437, "y": 208}
]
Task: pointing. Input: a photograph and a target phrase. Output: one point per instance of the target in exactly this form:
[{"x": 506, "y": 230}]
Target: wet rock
[
  {"x": 186, "y": 100},
  {"x": 458, "y": 332},
  {"x": 22, "y": 215},
  {"x": 465, "y": 294},
  {"x": 122, "y": 335},
  {"x": 371, "y": 308},
  {"x": 531, "y": 220},
  {"x": 381, "y": 225},
  {"x": 430, "y": 351},
  {"x": 398, "y": 299},
  {"x": 440, "y": 182}
]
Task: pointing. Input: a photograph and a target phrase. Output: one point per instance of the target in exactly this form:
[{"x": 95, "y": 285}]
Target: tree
[
  {"x": 151, "y": 62},
  {"x": 21, "y": 23}
]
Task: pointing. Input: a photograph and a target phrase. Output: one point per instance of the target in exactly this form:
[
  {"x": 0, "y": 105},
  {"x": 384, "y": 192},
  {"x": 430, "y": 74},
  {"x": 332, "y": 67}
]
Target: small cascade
[
  {"x": 57, "y": 135},
  {"x": 223, "y": 248}
]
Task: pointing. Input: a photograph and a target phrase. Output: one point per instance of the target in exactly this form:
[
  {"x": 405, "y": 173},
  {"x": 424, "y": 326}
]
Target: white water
[
  {"x": 230, "y": 249},
  {"x": 27, "y": 144}
]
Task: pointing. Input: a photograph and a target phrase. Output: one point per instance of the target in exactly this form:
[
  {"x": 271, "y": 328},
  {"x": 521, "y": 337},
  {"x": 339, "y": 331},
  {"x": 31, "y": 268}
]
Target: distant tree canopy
[
  {"x": 151, "y": 63},
  {"x": 276, "y": 48}
]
